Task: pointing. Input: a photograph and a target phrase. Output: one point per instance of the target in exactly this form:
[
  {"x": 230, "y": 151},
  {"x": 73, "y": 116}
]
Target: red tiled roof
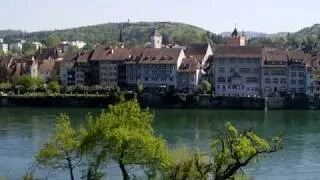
[
  {"x": 160, "y": 56},
  {"x": 47, "y": 53},
  {"x": 189, "y": 65},
  {"x": 237, "y": 52},
  {"x": 48, "y": 66}
]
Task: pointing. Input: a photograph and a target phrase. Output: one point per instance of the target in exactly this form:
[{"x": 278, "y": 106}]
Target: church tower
[
  {"x": 235, "y": 39},
  {"x": 156, "y": 39}
]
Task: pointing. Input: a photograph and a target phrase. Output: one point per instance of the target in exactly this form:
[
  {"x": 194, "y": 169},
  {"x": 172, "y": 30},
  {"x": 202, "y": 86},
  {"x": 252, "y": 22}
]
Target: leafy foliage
[
  {"x": 62, "y": 151},
  {"x": 205, "y": 87},
  {"x": 231, "y": 150},
  {"x": 30, "y": 83},
  {"x": 54, "y": 86},
  {"x": 125, "y": 135},
  {"x": 134, "y": 34}
]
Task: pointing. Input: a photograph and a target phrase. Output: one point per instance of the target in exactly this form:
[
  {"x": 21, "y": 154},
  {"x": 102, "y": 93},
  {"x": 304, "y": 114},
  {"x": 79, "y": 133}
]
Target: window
[
  {"x": 301, "y": 90},
  {"x": 301, "y": 74},
  {"x": 301, "y": 82},
  {"x": 218, "y": 87},
  {"x": 232, "y": 70},
  {"x": 267, "y": 80},
  {"x": 251, "y": 79},
  {"x": 293, "y": 74},
  {"x": 221, "y": 79},
  {"x": 293, "y": 82},
  {"x": 256, "y": 70},
  {"x": 146, "y": 78},
  {"x": 221, "y": 70},
  {"x": 244, "y": 70},
  {"x": 163, "y": 79},
  {"x": 275, "y": 81},
  {"x": 266, "y": 72},
  {"x": 278, "y": 72},
  {"x": 283, "y": 81}
]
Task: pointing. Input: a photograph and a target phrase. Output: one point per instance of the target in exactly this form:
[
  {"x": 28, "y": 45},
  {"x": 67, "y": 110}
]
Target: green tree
[
  {"x": 30, "y": 83},
  {"x": 184, "y": 165},
  {"x": 53, "y": 40},
  {"x": 62, "y": 151},
  {"x": 205, "y": 87},
  {"x": 233, "y": 150},
  {"x": 54, "y": 86},
  {"x": 125, "y": 135},
  {"x": 28, "y": 48},
  {"x": 139, "y": 88}
]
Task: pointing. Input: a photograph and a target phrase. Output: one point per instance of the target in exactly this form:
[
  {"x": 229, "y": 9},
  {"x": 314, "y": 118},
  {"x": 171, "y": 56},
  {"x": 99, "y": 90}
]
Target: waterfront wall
[{"x": 179, "y": 101}]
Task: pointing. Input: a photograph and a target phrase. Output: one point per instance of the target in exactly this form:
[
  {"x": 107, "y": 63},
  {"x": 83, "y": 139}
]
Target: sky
[{"x": 269, "y": 16}]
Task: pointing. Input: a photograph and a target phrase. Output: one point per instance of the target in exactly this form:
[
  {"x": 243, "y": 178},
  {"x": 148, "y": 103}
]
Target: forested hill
[{"x": 133, "y": 33}]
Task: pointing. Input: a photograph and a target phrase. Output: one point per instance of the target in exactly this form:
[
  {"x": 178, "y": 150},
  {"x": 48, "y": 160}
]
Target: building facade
[
  {"x": 4, "y": 48},
  {"x": 188, "y": 75},
  {"x": 274, "y": 76},
  {"x": 237, "y": 71}
]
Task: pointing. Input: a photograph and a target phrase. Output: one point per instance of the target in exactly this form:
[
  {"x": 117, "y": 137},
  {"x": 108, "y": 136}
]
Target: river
[{"x": 23, "y": 130}]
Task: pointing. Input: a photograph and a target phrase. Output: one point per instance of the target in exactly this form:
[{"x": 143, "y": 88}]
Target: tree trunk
[
  {"x": 125, "y": 174},
  {"x": 70, "y": 168}
]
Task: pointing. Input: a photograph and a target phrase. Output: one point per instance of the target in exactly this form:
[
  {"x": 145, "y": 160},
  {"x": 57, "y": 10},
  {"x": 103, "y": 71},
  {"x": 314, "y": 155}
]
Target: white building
[
  {"x": 188, "y": 75},
  {"x": 15, "y": 46},
  {"x": 237, "y": 71},
  {"x": 156, "y": 40},
  {"x": 37, "y": 45},
  {"x": 155, "y": 67},
  {"x": 78, "y": 44},
  {"x": 4, "y": 48}
]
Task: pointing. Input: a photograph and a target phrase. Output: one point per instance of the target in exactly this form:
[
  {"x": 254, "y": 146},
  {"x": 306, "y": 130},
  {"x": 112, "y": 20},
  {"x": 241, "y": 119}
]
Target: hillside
[{"x": 133, "y": 33}]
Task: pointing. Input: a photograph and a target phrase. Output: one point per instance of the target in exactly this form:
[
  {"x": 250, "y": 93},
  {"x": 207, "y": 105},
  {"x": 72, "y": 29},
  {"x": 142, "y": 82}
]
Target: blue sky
[{"x": 215, "y": 15}]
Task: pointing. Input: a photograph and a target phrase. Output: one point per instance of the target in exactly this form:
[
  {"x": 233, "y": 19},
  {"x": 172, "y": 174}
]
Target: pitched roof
[
  {"x": 189, "y": 65},
  {"x": 274, "y": 55},
  {"x": 48, "y": 66},
  {"x": 48, "y": 53},
  {"x": 297, "y": 55},
  {"x": 197, "y": 50},
  {"x": 160, "y": 56},
  {"x": 237, "y": 52},
  {"x": 84, "y": 56}
]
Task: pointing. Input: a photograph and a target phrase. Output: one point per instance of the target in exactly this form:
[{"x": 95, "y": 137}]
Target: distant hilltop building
[
  {"x": 4, "y": 47},
  {"x": 156, "y": 39},
  {"x": 65, "y": 45},
  {"x": 235, "y": 39}
]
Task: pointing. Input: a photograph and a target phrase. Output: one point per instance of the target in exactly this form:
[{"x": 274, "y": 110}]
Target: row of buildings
[
  {"x": 125, "y": 67},
  {"x": 19, "y": 44},
  {"x": 233, "y": 69}
]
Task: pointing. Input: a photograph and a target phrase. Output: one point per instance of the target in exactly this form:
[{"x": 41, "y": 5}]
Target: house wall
[
  {"x": 247, "y": 85},
  {"x": 297, "y": 78},
  {"x": 108, "y": 73},
  {"x": 274, "y": 81},
  {"x": 310, "y": 81},
  {"x": 187, "y": 81}
]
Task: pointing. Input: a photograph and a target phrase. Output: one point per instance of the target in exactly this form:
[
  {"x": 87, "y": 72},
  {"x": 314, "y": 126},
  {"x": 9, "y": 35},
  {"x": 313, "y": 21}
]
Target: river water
[{"x": 23, "y": 130}]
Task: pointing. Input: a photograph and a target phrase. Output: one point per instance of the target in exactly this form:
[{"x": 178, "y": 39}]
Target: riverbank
[{"x": 163, "y": 101}]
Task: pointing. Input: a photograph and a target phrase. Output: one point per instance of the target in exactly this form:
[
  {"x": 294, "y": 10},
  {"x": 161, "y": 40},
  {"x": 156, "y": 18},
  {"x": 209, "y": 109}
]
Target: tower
[
  {"x": 121, "y": 37},
  {"x": 156, "y": 39},
  {"x": 235, "y": 39}
]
